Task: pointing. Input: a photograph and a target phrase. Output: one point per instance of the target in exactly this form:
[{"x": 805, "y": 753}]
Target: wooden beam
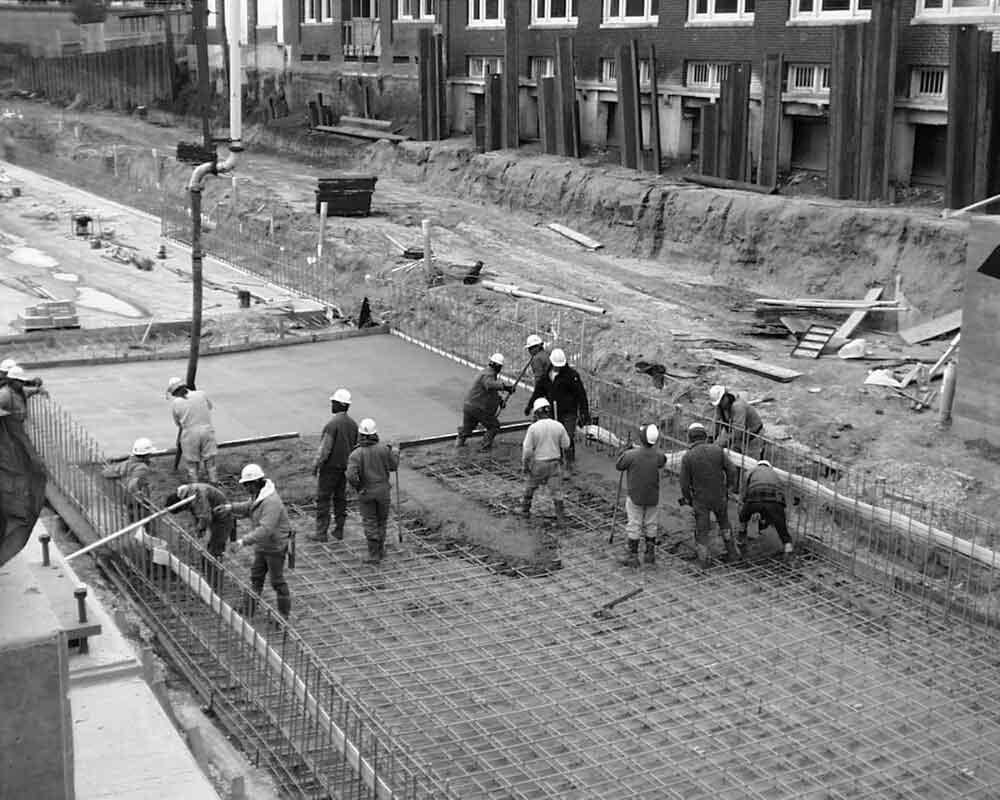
[
  {"x": 494, "y": 112},
  {"x": 579, "y": 238},
  {"x": 933, "y": 328},
  {"x": 424, "y": 72},
  {"x": 878, "y": 105},
  {"x": 229, "y": 443},
  {"x": 708, "y": 147},
  {"x": 441, "y": 65},
  {"x": 765, "y": 370},
  {"x": 547, "y": 131},
  {"x": 511, "y": 83},
  {"x": 566, "y": 108},
  {"x": 725, "y": 183},
  {"x": 845, "y": 110},
  {"x": 771, "y": 113},
  {"x": 983, "y": 167},
  {"x": 654, "y": 112},
  {"x": 636, "y": 110},
  {"x": 628, "y": 89},
  {"x": 734, "y": 128},
  {"x": 963, "y": 93},
  {"x": 384, "y": 34},
  {"x": 847, "y": 328}
]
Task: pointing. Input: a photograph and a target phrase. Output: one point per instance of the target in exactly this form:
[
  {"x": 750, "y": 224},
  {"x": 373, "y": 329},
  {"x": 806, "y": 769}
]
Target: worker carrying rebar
[
  {"x": 368, "y": 470},
  {"x": 271, "y": 537},
  {"x": 764, "y": 496},
  {"x": 482, "y": 403},
  {"x": 192, "y": 412},
  {"x": 134, "y": 474},
  {"x": 563, "y": 388},
  {"x": 642, "y": 464},
  {"x": 542, "y": 451},
  {"x": 340, "y": 437},
  {"x": 738, "y": 425},
  {"x": 538, "y": 357},
  {"x": 15, "y": 390},
  {"x": 210, "y": 516},
  {"x": 706, "y": 477}
]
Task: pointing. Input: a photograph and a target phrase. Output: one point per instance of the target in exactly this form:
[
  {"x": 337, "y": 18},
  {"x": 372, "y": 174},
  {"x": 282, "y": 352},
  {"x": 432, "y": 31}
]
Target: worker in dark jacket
[
  {"x": 563, "y": 388},
  {"x": 340, "y": 437},
  {"x": 706, "y": 477},
  {"x": 368, "y": 470},
  {"x": 271, "y": 537},
  {"x": 210, "y": 516},
  {"x": 17, "y": 387},
  {"x": 482, "y": 403},
  {"x": 539, "y": 362},
  {"x": 764, "y": 495},
  {"x": 738, "y": 425},
  {"x": 642, "y": 465},
  {"x": 134, "y": 475}
]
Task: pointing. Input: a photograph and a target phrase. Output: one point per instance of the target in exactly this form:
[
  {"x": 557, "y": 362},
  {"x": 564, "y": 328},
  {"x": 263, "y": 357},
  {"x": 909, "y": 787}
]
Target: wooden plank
[
  {"x": 780, "y": 374},
  {"x": 734, "y": 116},
  {"x": 385, "y": 31},
  {"x": 985, "y": 109},
  {"x": 654, "y": 113},
  {"x": 579, "y": 238},
  {"x": 851, "y": 323},
  {"x": 434, "y": 79},
  {"x": 443, "y": 126},
  {"x": 361, "y": 133},
  {"x": 933, "y": 328},
  {"x": 511, "y": 83},
  {"x": 725, "y": 183},
  {"x": 771, "y": 114},
  {"x": 636, "y": 110},
  {"x": 878, "y": 105},
  {"x": 360, "y": 122},
  {"x": 829, "y": 305},
  {"x": 708, "y": 149},
  {"x": 628, "y": 88},
  {"x": 494, "y": 112},
  {"x": 963, "y": 93},
  {"x": 567, "y": 111},
  {"x": 424, "y": 80},
  {"x": 547, "y": 132},
  {"x": 847, "y": 57}
]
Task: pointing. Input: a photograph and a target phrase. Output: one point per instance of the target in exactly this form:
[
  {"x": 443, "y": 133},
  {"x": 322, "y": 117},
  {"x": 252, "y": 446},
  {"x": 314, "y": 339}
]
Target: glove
[
  {"x": 225, "y": 508},
  {"x": 509, "y": 389},
  {"x": 527, "y": 410},
  {"x": 238, "y": 544}
]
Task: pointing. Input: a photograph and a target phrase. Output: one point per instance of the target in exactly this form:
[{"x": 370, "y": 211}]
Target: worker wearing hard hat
[
  {"x": 210, "y": 515},
  {"x": 368, "y": 470},
  {"x": 642, "y": 465},
  {"x": 17, "y": 387},
  {"x": 563, "y": 388},
  {"x": 738, "y": 425},
  {"x": 764, "y": 495},
  {"x": 706, "y": 476},
  {"x": 134, "y": 473},
  {"x": 271, "y": 536},
  {"x": 482, "y": 403},
  {"x": 340, "y": 437},
  {"x": 5, "y": 365},
  {"x": 542, "y": 451},
  {"x": 192, "y": 412},
  {"x": 539, "y": 362}
]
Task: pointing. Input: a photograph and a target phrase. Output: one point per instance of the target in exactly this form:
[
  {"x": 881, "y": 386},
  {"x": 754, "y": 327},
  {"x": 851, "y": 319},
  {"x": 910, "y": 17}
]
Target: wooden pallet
[{"x": 813, "y": 341}]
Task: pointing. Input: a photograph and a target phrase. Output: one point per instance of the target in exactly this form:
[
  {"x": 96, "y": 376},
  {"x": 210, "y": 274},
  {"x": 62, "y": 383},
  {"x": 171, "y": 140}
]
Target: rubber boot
[
  {"x": 488, "y": 438},
  {"x": 789, "y": 555},
  {"x": 338, "y": 530},
  {"x": 318, "y": 536},
  {"x": 285, "y": 606},
  {"x": 703, "y": 555},
  {"x": 460, "y": 441},
  {"x": 560, "y": 513},
  {"x": 741, "y": 541},
  {"x": 526, "y": 505},
  {"x": 649, "y": 555},
  {"x": 632, "y": 556},
  {"x": 374, "y": 555},
  {"x": 733, "y": 555}
]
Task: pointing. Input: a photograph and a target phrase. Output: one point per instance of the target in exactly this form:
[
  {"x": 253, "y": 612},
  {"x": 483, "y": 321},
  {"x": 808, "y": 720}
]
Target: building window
[
  {"x": 808, "y": 79},
  {"x": 957, "y": 8},
  {"x": 315, "y": 11},
  {"x": 631, "y": 12},
  {"x": 487, "y": 13},
  {"x": 609, "y": 71},
  {"x": 554, "y": 12},
  {"x": 360, "y": 9},
  {"x": 478, "y": 65},
  {"x": 417, "y": 9},
  {"x": 929, "y": 83},
  {"x": 722, "y": 10},
  {"x": 542, "y": 67},
  {"x": 705, "y": 74},
  {"x": 831, "y": 9}
]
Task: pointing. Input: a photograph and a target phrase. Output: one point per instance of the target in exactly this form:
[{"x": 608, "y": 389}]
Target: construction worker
[
  {"x": 545, "y": 441},
  {"x": 738, "y": 425},
  {"x": 368, "y": 469},
  {"x": 539, "y": 362},
  {"x": 340, "y": 437},
  {"x": 706, "y": 476},
  {"x": 17, "y": 387},
  {"x": 134, "y": 473},
  {"x": 210, "y": 515},
  {"x": 642, "y": 465},
  {"x": 271, "y": 536},
  {"x": 482, "y": 403},
  {"x": 192, "y": 412},
  {"x": 5, "y": 365},
  {"x": 563, "y": 388},
  {"x": 764, "y": 495}
]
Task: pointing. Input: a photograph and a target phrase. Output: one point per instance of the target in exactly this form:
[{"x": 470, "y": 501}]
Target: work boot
[
  {"x": 338, "y": 530},
  {"x": 560, "y": 513},
  {"x": 488, "y": 438},
  {"x": 374, "y": 552},
  {"x": 526, "y": 505},
  {"x": 460, "y": 441},
  {"x": 318, "y": 536},
  {"x": 285, "y": 606},
  {"x": 649, "y": 555},
  {"x": 632, "y": 556},
  {"x": 733, "y": 555},
  {"x": 789, "y": 555}
]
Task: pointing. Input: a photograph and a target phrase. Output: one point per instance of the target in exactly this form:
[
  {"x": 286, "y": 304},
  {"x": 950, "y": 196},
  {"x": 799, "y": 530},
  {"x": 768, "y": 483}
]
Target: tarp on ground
[{"x": 22, "y": 488}]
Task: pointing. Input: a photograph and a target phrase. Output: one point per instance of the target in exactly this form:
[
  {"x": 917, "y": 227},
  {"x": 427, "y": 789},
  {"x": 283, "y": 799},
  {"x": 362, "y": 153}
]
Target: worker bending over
[
  {"x": 542, "y": 451},
  {"x": 134, "y": 474},
  {"x": 482, "y": 403},
  {"x": 563, "y": 388},
  {"x": 539, "y": 357},
  {"x": 706, "y": 476},
  {"x": 210, "y": 515},
  {"x": 368, "y": 469},
  {"x": 738, "y": 425},
  {"x": 192, "y": 412},
  {"x": 764, "y": 495},
  {"x": 340, "y": 437},
  {"x": 642, "y": 465},
  {"x": 17, "y": 387}
]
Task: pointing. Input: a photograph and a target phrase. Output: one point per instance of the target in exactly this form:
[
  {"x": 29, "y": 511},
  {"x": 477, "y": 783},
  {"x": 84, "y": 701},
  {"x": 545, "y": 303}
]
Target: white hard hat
[
  {"x": 695, "y": 426},
  {"x": 367, "y": 427},
  {"x": 342, "y": 396},
  {"x": 17, "y": 373},
  {"x": 558, "y": 358},
  {"x": 763, "y": 463},
  {"x": 251, "y": 472},
  {"x": 497, "y": 358},
  {"x": 173, "y": 383},
  {"x": 6, "y": 364},
  {"x": 716, "y": 393},
  {"x": 142, "y": 446},
  {"x": 533, "y": 341},
  {"x": 540, "y": 403},
  {"x": 652, "y": 434}
]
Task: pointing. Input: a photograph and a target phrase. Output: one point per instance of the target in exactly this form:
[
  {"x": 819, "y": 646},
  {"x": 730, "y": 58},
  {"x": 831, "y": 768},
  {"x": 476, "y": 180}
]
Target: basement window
[
  {"x": 929, "y": 83},
  {"x": 721, "y": 10},
  {"x": 415, "y": 10},
  {"x": 705, "y": 74},
  {"x": 485, "y": 13},
  {"x": 808, "y": 79},
  {"x": 826, "y": 10},
  {"x": 478, "y": 65},
  {"x": 554, "y": 12},
  {"x": 542, "y": 67},
  {"x": 631, "y": 12},
  {"x": 957, "y": 8},
  {"x": 609, "y": 71}
]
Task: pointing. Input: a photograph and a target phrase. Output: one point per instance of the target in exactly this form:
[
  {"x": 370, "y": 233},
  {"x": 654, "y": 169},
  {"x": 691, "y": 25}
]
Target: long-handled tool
[
  {"x": 517, "y": 380},
  {"x": 614, "y": 514},
  {"x": 177, "y": 455},
  {"x": 399, "y": 520}
]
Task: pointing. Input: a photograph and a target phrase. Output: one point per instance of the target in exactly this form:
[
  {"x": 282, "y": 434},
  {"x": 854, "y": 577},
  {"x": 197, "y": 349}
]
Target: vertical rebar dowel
[
  {"x": 80, "y": 593},
  {"x": 44, "y": 538}
]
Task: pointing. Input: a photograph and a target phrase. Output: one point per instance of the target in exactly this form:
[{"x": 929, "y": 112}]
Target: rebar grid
[{"x": 761, "y": 682}]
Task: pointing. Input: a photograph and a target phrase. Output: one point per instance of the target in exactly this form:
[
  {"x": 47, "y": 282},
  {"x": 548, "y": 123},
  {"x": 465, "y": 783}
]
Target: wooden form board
[
  {"x": 846, "y": 75},
  {"x": 629, "y": 114},
  {"x": 933, "y": 328},
  {"x": 734, "y": 122},
  {"x": 878, "y": 104},
  {"x": 709, "y": 140},
  {"x": 771, "y": 114},
  {"x": 761, "y": 368},
  {"x": 567, "y": 109},
  {"x": 969, "y": 173},
  {"x": 511, "y": 79},
  {"x": 851, "y": 323},
  {"x": 494, "y": 111},
  {"x": 654, "y": 113},
  {"x": 547, "y": 131}
]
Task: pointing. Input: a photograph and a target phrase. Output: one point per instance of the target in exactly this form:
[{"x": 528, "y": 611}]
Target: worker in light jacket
[
  {"x": 542, "y": 451},
  {"x": 192, "y": 413}
]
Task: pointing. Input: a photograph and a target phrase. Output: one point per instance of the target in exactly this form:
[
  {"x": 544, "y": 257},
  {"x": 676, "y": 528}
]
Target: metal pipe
[
  {"x": 947, "y": 393},
  {"x": 131, "y": 527},
  {"x": 514, "y": 291},
  {"x": 948, "y": 214}
]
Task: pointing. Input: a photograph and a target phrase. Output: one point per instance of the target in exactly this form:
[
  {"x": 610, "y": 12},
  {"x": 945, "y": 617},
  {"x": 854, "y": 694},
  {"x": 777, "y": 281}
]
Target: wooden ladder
[{"x": 813, "y": 341}]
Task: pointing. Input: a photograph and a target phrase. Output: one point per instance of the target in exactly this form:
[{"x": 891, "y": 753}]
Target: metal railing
[{"x": 260, "y": 677}]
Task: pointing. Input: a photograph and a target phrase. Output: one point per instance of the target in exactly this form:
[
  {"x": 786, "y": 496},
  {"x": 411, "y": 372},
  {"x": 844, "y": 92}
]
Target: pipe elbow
[{"x": 202, "y": 171}]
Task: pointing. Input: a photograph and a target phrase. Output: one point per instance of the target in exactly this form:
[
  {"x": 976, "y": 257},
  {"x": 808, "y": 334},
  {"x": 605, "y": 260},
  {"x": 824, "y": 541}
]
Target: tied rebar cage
[{"x": 263, "y": 680}]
